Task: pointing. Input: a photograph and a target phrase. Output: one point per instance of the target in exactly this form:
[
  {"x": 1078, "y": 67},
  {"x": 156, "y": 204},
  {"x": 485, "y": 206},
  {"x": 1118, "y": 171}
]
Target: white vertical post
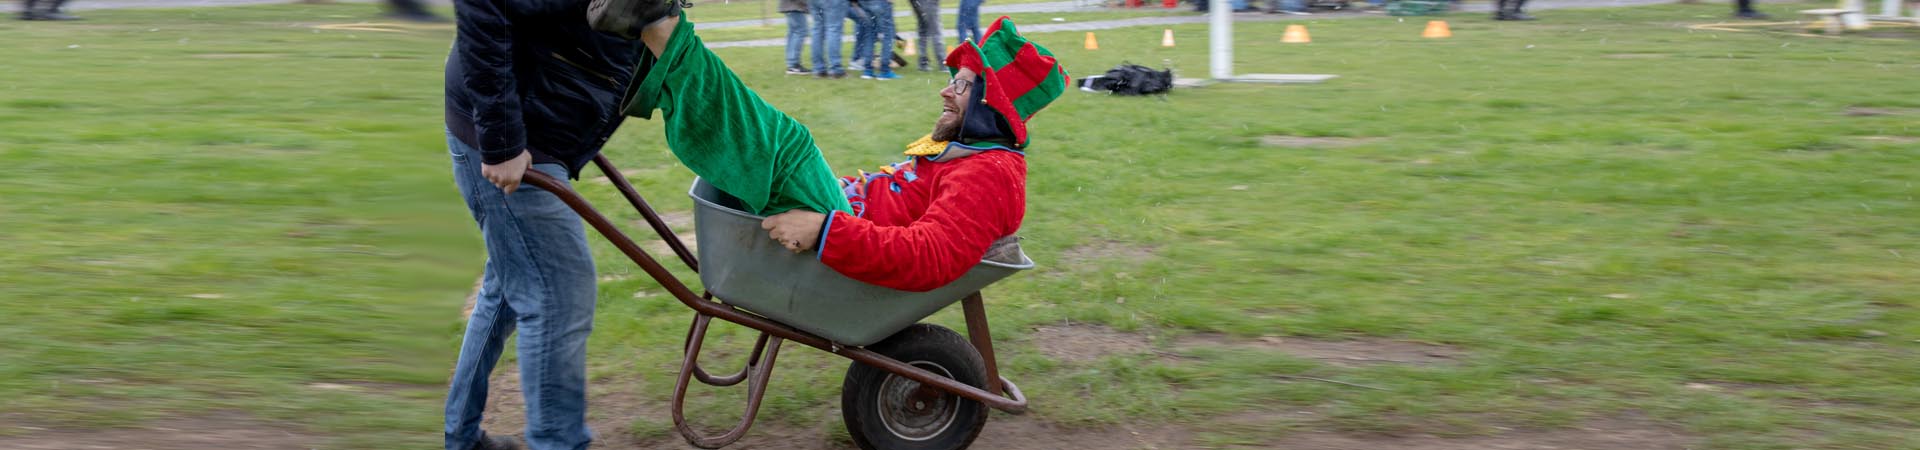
[
  {"x": 1220, "y": 25},
  {"x": 1856, "y": 20}
]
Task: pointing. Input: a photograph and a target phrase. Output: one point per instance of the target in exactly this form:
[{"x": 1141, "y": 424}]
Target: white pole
[
  {"x": 1856, "y": 20},
  {"x": 1220, "y": 23}
]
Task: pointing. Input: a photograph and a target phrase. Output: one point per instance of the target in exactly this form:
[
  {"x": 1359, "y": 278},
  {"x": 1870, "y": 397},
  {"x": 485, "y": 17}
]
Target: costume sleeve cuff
[{"x": 820, "y": 250}]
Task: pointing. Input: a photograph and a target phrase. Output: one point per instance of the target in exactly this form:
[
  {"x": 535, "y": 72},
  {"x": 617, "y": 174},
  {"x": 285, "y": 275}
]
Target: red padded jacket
[{"x": 929, "y": 220}]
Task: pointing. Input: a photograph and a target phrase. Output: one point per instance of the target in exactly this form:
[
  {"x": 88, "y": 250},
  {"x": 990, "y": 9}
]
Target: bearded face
[{"x": 953, "y": 105}]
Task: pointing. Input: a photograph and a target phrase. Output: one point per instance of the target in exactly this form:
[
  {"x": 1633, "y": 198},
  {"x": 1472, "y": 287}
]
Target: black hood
[{"x": 982, "y": 123}]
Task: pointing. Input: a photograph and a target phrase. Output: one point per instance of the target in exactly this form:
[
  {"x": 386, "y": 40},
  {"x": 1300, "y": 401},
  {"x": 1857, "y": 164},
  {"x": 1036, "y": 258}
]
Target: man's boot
[
  {"x": 412, "y": 10},
  {"x": 625, "y": 18},
  {"x": 497, "y": 442}
]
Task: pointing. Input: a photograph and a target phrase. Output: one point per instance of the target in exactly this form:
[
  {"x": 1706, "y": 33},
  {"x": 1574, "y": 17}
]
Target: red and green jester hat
[{"x": 922, "y": 223}]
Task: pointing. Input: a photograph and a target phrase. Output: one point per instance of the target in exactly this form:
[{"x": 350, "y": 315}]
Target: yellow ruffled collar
[{"x": 926, "y": 146}]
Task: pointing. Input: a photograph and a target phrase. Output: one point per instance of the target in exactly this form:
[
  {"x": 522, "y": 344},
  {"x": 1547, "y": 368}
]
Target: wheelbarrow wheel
[{"x": 884, "y": 411}]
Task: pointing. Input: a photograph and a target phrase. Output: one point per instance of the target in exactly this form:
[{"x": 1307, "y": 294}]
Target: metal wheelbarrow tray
[
  {"x": 746, "y": 269},
  {"x": 910, "y": 385}
]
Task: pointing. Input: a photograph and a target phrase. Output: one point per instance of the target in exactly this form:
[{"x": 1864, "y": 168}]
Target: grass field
[{"x": 1601, "y": 220}]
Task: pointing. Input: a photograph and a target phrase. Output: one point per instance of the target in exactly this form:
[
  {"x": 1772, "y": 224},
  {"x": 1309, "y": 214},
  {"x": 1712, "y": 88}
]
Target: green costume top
[{"x": 728, "y": 134}]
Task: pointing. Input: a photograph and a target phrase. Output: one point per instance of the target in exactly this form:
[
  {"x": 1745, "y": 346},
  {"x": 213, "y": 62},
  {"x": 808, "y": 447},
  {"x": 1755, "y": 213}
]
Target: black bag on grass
[{"x": 1130, "y": 79}]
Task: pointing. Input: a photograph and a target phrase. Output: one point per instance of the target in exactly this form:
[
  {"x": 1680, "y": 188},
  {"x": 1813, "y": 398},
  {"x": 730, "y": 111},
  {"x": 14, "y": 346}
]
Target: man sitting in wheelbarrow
[{"x": 916, "y": 225}]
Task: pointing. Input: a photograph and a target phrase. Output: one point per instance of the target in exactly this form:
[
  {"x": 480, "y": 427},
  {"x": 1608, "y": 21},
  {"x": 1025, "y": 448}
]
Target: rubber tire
[{"x": 860, "y": 391}]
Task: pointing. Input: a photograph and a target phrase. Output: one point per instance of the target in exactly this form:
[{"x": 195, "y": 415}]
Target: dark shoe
[
  {"x": 799, "y": 70},
  {"x": 837, "y": 75},
  {"x": 497, "y": 442},
  {"x": 1520, "y": 16},
  {"x": 421, "y": 17},
  {"x": 1502, "y": 15},
  {"x": 30, "y": 15},
  {"x": 1752, "y": 15},
  {"x": 625, "y": 18}
]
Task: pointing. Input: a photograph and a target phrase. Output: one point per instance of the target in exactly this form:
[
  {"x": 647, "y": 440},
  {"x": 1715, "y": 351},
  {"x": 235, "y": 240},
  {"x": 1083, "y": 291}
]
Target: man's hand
[
  {"x": 507, "y": 174},
  {"x": 796, "y": 229}
]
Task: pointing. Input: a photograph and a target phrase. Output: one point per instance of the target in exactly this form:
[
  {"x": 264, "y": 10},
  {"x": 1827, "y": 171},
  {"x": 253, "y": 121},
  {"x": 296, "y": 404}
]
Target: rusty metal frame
[
  {"x": 1003, "y": 395},
  {"x": 756, "y": 372}
]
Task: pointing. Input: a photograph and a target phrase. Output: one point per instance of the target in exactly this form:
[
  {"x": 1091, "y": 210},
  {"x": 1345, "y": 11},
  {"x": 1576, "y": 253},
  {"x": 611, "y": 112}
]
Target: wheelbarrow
[{"x": 910, "y": 386}]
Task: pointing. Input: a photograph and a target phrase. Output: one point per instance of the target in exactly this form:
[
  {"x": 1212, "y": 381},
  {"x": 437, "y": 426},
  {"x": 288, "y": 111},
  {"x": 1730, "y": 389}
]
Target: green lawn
[{"x": 220, "y": 210}]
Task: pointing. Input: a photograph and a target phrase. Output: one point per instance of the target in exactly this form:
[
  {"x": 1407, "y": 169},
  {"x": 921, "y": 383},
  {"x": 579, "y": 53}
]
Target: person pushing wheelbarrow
[{"x": 914, "y": 226}]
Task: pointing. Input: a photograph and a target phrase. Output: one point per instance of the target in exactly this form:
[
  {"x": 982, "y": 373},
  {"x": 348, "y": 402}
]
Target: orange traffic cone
[
  {"x": 1296, "y": 34},
  {"x": 1166, "y": 38},
  {"x": 1092, "y": 44},
  {"x": 1437, "y": 29}
]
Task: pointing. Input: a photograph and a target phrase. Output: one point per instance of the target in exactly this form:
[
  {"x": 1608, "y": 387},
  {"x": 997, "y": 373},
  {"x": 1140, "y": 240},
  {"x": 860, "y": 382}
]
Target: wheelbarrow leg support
[
  {"x": 759, "y": 346},
  {"x": 976, "y": 311},
  {"x": 757, "y": 370}
]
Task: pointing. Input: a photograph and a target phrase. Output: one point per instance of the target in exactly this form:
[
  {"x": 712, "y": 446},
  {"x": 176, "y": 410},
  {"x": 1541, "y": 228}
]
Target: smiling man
[{"x": 915, "y": 225}]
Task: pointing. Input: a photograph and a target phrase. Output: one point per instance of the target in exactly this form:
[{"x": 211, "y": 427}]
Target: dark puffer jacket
[{"x": 530, "y": 74}]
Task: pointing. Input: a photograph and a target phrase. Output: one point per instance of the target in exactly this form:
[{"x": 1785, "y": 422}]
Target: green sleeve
[{"x": 728, "y": 135}]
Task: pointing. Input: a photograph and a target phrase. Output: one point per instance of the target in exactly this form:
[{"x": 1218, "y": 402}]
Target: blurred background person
[
  {"x": 829, "y": 16},
  {"x": 966, "y": 21},
  {"x": 879, "y": 61},
  {"x": 50, "y": 10},
  {"x": 1511, "y": 10},
  {"x": 1741, "y": 8},
  {"x": 1294, "y": 7},
  {"x": 862, "y": 37},
  {"x": 797, "y": 30},
  {"x": 926, "y": 14}
]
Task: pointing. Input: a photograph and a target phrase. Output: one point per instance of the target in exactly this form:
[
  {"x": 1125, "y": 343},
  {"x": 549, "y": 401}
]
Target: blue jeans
[
  {"x": 1293, "y": 5},
  {"x": 539, "y": 279},
  {"x": 927, "y": 14},
  {"x": 1238, "y": 5},
  {"x": 797, "y": 32},
  {"x": 879, "y": 31},
  {"x": 966, "y": 22},
  {"x": 862, "y": 38},
  {"x": 829, "y": 16}
]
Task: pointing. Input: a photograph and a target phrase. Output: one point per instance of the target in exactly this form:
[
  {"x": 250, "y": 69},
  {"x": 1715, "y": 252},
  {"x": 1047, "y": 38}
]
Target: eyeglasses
[{"x": 960, "y": 86}]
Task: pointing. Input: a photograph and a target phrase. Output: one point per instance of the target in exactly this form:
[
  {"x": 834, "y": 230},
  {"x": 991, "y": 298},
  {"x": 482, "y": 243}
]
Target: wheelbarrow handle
[
  {"x": 646, "y": 211},
  {"x": 620, "y": 240}
]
